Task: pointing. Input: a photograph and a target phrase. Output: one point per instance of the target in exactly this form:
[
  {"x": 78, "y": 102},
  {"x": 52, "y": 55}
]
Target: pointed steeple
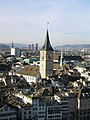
[
  {"x": 61, "y": 59},
  {"x": 47, "y": 46},
  {"x": 12, "y": 45}
]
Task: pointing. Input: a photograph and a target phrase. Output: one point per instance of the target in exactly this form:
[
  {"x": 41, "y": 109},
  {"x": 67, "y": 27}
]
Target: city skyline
[{"x": 25, "y": 21}]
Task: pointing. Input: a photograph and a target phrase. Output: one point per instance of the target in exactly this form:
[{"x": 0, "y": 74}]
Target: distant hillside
[
  {"x": 19, "y": 45},
  {"x": 76, "y": 46},
  {"x": 67, "y": 46},
  {"x": 3, "y": 46}
]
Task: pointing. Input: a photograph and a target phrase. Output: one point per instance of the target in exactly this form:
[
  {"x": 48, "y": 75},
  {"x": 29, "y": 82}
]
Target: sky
[{"x": 25, "y": 21}]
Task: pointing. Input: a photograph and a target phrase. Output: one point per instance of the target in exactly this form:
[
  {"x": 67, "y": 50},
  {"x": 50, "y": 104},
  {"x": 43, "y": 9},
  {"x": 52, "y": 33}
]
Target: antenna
[{"x": 47, "y": 25}]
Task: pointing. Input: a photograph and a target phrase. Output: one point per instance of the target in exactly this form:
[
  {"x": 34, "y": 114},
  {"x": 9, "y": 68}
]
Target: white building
[
  {"x": 16, "y": 52},
  {"x": 63, "y": 99},
  {"x": 30, "y": 73}
]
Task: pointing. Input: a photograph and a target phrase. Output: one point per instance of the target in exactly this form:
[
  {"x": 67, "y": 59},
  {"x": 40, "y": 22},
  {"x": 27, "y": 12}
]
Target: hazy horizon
[{"x": 25, "y": 21}]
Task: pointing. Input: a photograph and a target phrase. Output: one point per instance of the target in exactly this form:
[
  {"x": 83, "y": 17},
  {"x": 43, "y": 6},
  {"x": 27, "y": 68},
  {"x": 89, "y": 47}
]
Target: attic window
[{"x": 26, "y": 68}]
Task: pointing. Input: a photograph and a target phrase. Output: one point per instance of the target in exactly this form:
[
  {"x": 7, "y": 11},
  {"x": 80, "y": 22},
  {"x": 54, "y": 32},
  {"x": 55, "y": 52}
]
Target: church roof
[
  {"x": 47, "y": 46},
  {"x": 29, "y": 70}
]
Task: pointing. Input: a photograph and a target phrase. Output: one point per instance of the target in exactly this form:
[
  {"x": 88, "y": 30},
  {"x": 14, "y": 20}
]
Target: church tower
[
  {"x": 61, "y": 59},
  {"x": 46, "y": 58}
]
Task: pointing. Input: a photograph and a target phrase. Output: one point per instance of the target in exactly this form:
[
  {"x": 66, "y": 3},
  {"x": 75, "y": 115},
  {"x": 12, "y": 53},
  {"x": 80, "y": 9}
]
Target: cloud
[{"x": 26, "y": 19}]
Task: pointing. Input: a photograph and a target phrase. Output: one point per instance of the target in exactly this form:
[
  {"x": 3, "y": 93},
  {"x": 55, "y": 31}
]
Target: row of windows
[
  {"x": 64, "y": 99},
  {"x": 29, "y": 112},
  {"x": 56, "y": 116},
  {"x": 41, "y": 116},
  {"x": 64, "y": 111},
  {"x": 29, "y": 78},
  {"x": 83, "y": 112},
  {"x": 41, "y": 104},
  {"x": 34, "y": 104},
  {"x": 41, "y": 112},
  {"x": 64, "y": 103},
  {"x": 54, "y": 108},
  {"x": 64, "y": 106},
  {"x": 35, "y": 100},
  {"x": 7, "y": 108},
  {"x": 35, "y": 109},
  {"x": 41, "y": 108},
  {"x": 27, "y": 108},
  {"x": 25, "y": 117},
  {"x": 14, "y": 118},
  {"x": 83, "y": 118},
  {"x": 8, "y": 114},
  {"x": 54, "y": 112}
]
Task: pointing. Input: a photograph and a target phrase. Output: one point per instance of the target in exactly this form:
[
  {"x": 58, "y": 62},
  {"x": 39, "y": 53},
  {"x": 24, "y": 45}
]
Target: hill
[
  {"x": 3, "y": 46},
  {"x": 75, "y": 46}
]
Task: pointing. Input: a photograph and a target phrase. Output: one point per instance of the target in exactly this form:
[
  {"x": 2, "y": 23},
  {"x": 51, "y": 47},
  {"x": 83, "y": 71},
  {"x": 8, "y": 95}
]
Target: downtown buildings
[{"x": 45, "y": 91}]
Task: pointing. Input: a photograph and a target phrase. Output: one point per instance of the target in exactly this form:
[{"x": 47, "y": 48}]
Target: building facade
[{"x": 8, "y": 113}]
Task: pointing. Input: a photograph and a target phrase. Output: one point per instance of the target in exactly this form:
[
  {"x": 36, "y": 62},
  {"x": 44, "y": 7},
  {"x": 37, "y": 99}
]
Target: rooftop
[
  {"x": 29, "y": 70},
  {"x": 15, "y": 101}
]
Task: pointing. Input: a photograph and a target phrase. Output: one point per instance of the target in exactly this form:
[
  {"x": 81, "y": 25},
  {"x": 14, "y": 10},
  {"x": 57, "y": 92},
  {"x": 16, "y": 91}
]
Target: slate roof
[
  {"x": 46, "y": 92},
  {"x": 8, "y": 79},
  {"x": 30, "y": 70},
  {"x": 47, "y": 46},
  {"x": 22, "y": 83},
  {"x": 2, "y": 84},
  {"x": 73, "y": 58},
  {"x": 15, "y": 101}
]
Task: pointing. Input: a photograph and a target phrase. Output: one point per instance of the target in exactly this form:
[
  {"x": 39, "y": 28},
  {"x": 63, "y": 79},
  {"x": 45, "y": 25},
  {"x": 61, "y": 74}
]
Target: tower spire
[
  {"x": 47, "y": 46},
  {"x": 12, "y": 45},
  {"x": 61, "y": 59},
  {"x": 47, "y": 25}
]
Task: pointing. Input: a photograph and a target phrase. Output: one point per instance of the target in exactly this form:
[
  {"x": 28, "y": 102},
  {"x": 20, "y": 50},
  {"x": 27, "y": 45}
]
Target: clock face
[
  {"x": 46, "y": 55},
  {"x": 50, "y": 55},
  {"x": 42, "y": 56}
]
